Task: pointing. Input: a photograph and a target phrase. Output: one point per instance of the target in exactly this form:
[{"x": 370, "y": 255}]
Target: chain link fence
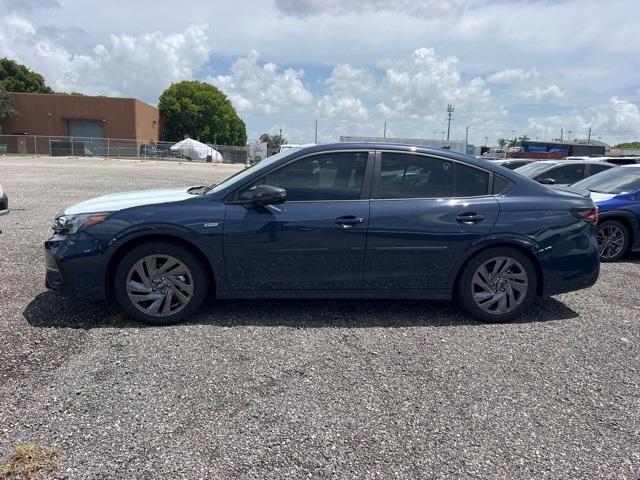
[{"x": 118, "y": 148}]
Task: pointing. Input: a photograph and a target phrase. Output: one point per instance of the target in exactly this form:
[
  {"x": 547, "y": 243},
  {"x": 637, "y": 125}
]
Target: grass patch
[{"x": 27, "y": 460}]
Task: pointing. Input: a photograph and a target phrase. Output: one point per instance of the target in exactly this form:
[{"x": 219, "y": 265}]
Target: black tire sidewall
[
  {"x": 162, "y": 248},
  {"x": 625, "y": 233},
  {"x": 463, "y": 288}
]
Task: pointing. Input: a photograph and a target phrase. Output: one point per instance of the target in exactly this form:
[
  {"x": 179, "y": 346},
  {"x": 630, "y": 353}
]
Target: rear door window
[
  {"x": 405, "y": 175},
  {"x": 470, "y": 181}
]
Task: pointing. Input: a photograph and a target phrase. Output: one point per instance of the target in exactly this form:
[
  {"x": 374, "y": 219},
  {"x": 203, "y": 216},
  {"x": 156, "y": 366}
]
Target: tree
[
  {"x": 201, "y": 111},
  {"x": 629, "y": 145},
  {"x": 503, "y": 142},
  {"x": 274, "y": 142},
  {"x": 6, "y": 109},
  {"x": 18, "y": 78}
]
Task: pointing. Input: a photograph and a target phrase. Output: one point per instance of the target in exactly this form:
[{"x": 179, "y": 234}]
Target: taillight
[{"x": 587, "y": 214}]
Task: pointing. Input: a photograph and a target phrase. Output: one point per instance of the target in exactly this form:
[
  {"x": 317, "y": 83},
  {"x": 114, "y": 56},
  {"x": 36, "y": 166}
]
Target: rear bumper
[
  {"x": 571, "y": 265},
  {"x": 75, "y": 267}
]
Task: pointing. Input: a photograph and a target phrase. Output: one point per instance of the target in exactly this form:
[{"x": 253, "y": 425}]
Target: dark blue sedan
[
  {"x": 616, "y": 192},
  {"x": 332, "y": 221}
]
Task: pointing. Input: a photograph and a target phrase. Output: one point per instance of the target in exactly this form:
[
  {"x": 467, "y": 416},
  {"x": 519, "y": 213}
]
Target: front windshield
[
  {"x": 242, "y": 174},
  {"x": 532, "y": 169},
  {"x": 615, "y": 180}
]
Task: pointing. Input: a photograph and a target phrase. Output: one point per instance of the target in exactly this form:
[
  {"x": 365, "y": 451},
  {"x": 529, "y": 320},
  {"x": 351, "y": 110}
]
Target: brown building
[{"x": 82, "y": 116}]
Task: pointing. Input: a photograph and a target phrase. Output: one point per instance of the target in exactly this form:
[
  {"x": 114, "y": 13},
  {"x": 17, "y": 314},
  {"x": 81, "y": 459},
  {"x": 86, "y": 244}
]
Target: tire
[
  {"x": 613, "y": 240},
  {"x": 504, "y": 298},
  {"x": 160, "y": 283}
]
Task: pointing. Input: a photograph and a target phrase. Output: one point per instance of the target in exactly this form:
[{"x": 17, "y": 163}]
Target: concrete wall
[{"x": 47, "y": 114}]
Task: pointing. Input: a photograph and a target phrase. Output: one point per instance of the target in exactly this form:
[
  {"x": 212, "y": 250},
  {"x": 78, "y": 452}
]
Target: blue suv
[
  {"x": 616, "y": 192},
  {"x": 332, "y": 221}
]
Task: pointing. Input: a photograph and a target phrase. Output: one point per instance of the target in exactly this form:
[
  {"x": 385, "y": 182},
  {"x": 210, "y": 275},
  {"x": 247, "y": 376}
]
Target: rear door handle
[
  {"x": 469, "y": 218},
  {"x": 349, "y": 221}
]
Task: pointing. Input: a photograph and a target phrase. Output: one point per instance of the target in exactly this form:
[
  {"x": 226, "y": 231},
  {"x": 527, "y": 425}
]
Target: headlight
[{"x": 70, "y": 224}]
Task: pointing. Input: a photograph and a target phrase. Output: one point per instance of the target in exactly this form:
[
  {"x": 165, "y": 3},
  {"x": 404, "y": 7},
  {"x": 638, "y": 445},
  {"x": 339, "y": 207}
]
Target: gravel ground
[{"x": 305, "y": 389}]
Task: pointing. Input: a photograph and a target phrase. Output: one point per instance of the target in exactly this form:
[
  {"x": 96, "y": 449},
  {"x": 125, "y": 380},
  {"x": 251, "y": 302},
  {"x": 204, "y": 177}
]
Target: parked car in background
[
  {"x": 616, "y": 193},
  {"x": 347, "y": 220},
  {"x": 4, "y": 202},
  {"x": 622, "y": 160},
  {"x": 513, "y": 163},
  {"x": 562, "y": 172},
  {"x": 495, "y": 154},
  {"x": 294, "y": 146}
]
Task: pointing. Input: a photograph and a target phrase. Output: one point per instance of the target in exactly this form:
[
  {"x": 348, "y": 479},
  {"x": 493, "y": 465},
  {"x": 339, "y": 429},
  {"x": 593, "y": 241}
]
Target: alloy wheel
[
  {"x": 499, "y": 285},
  {"x": 159, "y": 285},
  {"x": 611, "y": 241}
]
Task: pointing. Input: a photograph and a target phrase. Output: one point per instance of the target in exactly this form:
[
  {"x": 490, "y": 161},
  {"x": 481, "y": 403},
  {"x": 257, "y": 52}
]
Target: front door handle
[
  {"x": 348, "y": 221},
  {"x": 469, "y": 218}
]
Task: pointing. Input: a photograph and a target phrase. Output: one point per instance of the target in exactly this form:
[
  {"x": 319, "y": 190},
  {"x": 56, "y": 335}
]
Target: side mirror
[
  {"x": 267, "y": 195},
  {"x": 547, "y": 181}
]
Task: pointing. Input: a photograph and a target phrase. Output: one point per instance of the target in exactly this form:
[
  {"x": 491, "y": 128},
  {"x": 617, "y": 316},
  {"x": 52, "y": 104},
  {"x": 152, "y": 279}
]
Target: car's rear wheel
[
  {"x": 613, "y": 240},
  {"x": 160, "y": 283},
  {"x": 497, "y": 285}
]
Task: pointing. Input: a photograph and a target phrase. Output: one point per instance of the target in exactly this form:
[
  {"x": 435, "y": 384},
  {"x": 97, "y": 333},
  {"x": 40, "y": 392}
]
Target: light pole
[{"x": 450, "y": 109}]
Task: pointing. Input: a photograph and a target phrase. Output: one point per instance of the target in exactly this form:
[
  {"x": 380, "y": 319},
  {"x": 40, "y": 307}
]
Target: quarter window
[{"x": 327, "y": 176}]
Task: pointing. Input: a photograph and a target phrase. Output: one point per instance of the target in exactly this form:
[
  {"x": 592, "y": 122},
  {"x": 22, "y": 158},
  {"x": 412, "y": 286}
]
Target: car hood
[
  {"x": 120, "y": 201},
  {"x": 602, "y": 197}
]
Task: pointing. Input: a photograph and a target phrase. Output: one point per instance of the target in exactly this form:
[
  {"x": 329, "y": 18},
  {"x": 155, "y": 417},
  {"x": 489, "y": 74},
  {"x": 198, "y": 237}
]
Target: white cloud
[
  {"x": 424, "y": 8},
  {"x": 512, "y": 75},
  {"x": 421, "y": 86},
  {"x": 345, "y": 78},
  {"x": 262, "y": 89},
  {"x": 140, "y": 66},
  {"x": 342, "y": 108},
  {"x": 617, "y": 120},
  {"x": 544, "y": 94}
]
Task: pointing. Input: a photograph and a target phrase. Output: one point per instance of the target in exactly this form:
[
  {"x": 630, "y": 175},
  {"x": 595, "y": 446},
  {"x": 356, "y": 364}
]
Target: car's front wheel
[
  {"x": 497, "y": 285},
  {"x": 613, "y": 240},
  {"x": 160, "y": 283}
]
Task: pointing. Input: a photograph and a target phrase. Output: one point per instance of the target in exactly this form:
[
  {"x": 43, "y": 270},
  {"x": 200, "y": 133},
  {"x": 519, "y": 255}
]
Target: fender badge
[{"x": 211, "y": 225}]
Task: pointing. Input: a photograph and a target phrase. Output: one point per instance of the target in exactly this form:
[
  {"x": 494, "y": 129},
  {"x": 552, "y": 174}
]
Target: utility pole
[
  {"x": 561, "y": 134},
  {"x": 385, "y": 130},
  {"x": 443, "y": 135},
  {"x": 280, "y": 134},
  {"x": 568, "y": 135},
  {"x": 450, "y": 109},
  {"x": 589, "y": 137},
  {"x": 466, "y": 138},
  {"x": 486, "y": 141},
  {"x": 316, "y": 131}
]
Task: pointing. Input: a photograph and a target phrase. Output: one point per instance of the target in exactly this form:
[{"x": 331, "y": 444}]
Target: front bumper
[{"x": 76, "y": 266}]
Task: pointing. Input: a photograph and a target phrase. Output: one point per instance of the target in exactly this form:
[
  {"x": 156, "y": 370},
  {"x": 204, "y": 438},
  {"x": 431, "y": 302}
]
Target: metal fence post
[
  {"x": 35, "y": 145},
  {"x": 108, "y": 148},
  {"x": 72, "y": 146}
]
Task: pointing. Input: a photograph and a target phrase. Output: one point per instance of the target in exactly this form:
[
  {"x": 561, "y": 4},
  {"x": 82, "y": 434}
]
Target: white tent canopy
[{"x": 196, "y": 151}]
